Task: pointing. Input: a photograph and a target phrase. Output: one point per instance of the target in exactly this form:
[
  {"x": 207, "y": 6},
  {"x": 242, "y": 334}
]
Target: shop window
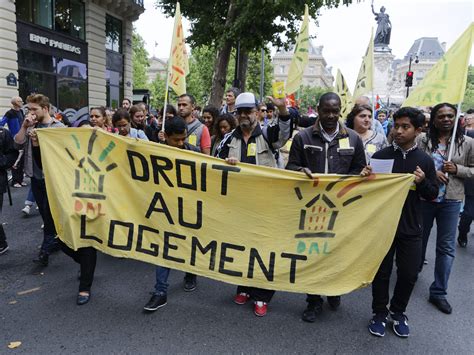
[
  {"x": 37, "y": 83},
  {"x": 35, "y": 61},
  {"x": 65, "y": 16},
  {"x": 113, "y": 34},
  {"x": 114, "y": 86},
  {"x": 72, "y": 93},
  {"x": 71, "y": 68}
]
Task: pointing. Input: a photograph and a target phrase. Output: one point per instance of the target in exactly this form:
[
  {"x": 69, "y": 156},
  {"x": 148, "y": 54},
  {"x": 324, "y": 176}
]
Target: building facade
[
  {"x": 76, "y": 52},
  {"x": 158, "y": 67},
  {"x": 316, "y": 74},
  {"x": 425, "y": 52}
]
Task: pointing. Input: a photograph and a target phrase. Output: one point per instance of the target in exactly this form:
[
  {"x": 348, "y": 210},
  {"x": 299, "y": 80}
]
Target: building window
[
  {"x": 282, "y": 69},
  {"x": 113, "y": 34},
  {"x": 311, "y": 69},
  {"x": 69, "y": 15},
  {"x": 64, "y": 81}
]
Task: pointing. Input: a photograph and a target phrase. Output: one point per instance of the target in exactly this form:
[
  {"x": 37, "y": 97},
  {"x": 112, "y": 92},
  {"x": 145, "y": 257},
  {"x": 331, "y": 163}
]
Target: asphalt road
[{"x": 37, "y": 308}]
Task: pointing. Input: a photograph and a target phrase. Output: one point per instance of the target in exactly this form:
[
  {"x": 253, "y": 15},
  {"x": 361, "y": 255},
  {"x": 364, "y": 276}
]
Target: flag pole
[{"x": 453, "y": 137}]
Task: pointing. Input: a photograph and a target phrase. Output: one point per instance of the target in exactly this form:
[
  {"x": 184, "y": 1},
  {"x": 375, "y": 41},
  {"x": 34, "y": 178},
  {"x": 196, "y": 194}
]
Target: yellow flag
[
  {"x": 446, "y": 81},
  {"x": 344, "y": 93},
  {"x": 300, "y": 57},
  {"x": 365, "y": 83},
  {"x": 178, "y": 66},
  {"x": 188, "y": 211}
]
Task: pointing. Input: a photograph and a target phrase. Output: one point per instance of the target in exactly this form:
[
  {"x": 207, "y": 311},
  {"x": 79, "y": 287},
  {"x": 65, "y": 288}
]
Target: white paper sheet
[{"x": 381, "y": 166}]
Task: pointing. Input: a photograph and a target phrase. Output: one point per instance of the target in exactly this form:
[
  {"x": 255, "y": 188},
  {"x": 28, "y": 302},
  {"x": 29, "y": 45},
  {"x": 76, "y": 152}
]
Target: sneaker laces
[{"x": 260, "y": 303}]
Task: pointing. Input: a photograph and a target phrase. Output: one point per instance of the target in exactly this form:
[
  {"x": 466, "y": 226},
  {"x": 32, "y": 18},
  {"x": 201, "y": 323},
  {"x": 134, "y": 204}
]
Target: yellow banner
[
  {"x": 446, "y": 81},
  {"x": 178, "y": 67},
  {"x": 300, "y": 57},
  {"x": 344, "y": 93},
  {"x": 241, "y": 224},
  {"x": 365, "y": 79}
]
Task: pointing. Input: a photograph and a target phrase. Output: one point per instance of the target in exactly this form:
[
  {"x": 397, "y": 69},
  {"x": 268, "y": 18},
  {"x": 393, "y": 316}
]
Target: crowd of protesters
[{"x": 425, "y": 142}]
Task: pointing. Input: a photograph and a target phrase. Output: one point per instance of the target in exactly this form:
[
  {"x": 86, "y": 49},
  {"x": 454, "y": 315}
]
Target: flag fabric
[
  {"x": 178, "y": 66},
  {"x": 378, "y": 103},
  {"x": 344, "y": 93},
  {"x": 446, "y": 81},
  {"x": 365, "y": 83},
  {"x": 300, "y": 57}
]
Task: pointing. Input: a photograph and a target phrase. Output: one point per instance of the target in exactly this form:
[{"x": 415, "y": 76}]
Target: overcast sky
[{"x": 344, "y": 32}]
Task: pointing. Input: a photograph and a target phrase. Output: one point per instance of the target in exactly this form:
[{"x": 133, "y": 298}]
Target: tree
[
  {"x": 224, "y": 23},
  {"x": 309, "y": 97},
  {"x": 469, "y": 94},
  {"x": 140, "y": 61}
]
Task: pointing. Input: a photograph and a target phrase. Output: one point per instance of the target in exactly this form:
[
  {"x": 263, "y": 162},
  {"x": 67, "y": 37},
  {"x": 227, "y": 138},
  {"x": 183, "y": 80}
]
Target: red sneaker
[
  {"x": 241, "y": 298},
  {"x": 260, "y": 308}
]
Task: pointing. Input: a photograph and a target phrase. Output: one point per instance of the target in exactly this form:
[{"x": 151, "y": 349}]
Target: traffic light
[{"x": 409, "y": 79}]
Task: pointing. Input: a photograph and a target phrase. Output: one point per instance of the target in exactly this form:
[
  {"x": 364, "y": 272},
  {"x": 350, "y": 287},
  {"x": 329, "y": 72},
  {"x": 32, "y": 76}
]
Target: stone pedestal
[{"x": 382, "y": 72}]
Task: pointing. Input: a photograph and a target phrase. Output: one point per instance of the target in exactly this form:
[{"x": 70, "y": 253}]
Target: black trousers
[
  {"x": 86, "y": 258},
  {"x": 467, "y": 215},
  {"x": 257, "y": 294},
  {"x": 3, "y": 237},
  {"x": 17, "y": 174},
  {"x": 38, "y": 187},
  {"x": 407, "y": 249}
]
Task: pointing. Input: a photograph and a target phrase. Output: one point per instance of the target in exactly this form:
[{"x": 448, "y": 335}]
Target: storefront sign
[{"x": 53, "y": 43}]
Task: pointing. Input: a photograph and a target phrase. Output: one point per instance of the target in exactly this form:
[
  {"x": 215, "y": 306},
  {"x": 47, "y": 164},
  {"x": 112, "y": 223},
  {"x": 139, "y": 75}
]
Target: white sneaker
[{"x": 26, "y": 210}]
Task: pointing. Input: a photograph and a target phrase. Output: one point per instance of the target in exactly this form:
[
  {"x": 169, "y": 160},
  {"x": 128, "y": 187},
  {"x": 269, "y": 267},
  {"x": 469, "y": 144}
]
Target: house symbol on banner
[
  {"x": 89, "y": 176},
  {"x": 319, "y": 215}
]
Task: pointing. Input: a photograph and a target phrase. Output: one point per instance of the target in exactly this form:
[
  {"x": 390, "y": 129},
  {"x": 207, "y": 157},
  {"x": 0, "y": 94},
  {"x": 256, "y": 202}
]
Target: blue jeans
[
  {"x": 161, "y": 286},
  {"x": 446, "y": 214}
]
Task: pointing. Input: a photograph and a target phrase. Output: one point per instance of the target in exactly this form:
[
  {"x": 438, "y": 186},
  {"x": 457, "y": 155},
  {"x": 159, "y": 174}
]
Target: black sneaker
[
  {"x": 312, "y": 311},
  {"x": 442, "y": 304},
  {"x": 462, "y": 240},
  {"x": 190, "y": 283},
  {"x": 3, "y": 249},
  {"x": 334, "y": 302},
  {"x": 155, "y": 302},
  {"x": 42, "y": 259}
]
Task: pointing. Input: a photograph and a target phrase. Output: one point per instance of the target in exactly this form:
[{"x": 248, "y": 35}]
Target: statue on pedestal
[{"x": 384, "y": 28}]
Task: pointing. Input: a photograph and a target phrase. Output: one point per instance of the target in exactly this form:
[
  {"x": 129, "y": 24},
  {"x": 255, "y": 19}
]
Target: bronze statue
[{"x": 384, "y": 28}]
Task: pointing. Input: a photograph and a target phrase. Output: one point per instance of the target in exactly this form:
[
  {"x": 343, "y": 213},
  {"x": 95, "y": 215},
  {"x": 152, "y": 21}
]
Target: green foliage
[
  {"x": 309, "y": 97},
  {"x": 469, "y": 94},
  {"x": 157, "y": 89},
  {"x": 201, "y": 68},
  {"x": 140, "y": 61},
  {"x": 255, "y": 22}
]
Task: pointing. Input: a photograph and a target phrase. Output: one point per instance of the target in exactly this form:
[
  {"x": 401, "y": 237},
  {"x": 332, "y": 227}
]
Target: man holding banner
[
  {"x": 249, "y": 143},
  {"x": 175, "y": 136},
  {"x": 327, "y": 147}
]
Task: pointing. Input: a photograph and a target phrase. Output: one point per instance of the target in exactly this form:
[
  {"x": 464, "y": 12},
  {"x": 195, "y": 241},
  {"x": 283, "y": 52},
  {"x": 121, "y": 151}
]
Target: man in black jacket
[
  {"x": 175, "y": 136},
  {"x": 407, "y": 244},
  {"x": 8, "y": 155},
  {"x": 327, "y": 147}
]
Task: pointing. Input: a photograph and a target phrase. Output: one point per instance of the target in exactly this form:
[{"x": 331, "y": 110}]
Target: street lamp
[{"x": 410, "y": 74}]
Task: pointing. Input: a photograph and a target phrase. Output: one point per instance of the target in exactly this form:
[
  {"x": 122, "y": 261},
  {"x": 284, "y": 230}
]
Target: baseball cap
[{"x": 245, "y": 100}]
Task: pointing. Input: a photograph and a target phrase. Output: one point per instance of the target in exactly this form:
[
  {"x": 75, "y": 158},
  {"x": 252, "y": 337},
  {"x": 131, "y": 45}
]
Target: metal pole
[
  {"x": 262, "y": 75},
  {"x": 453, "y": 137},
  {"x": 409, "y": 69}
]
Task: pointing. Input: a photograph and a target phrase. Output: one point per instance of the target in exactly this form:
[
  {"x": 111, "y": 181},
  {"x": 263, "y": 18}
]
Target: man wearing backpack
[
  {"x": 327, "y": 147},
  {"x": 252, "y": 144},
  {"x": 8, "y": 155}
]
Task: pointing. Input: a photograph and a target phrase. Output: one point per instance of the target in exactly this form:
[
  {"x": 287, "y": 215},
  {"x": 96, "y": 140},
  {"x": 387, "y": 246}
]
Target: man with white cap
[{"x": 250, "y": 143}]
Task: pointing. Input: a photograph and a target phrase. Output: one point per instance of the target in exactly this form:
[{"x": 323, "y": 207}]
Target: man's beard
[{"x": 246, "y": 124}]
